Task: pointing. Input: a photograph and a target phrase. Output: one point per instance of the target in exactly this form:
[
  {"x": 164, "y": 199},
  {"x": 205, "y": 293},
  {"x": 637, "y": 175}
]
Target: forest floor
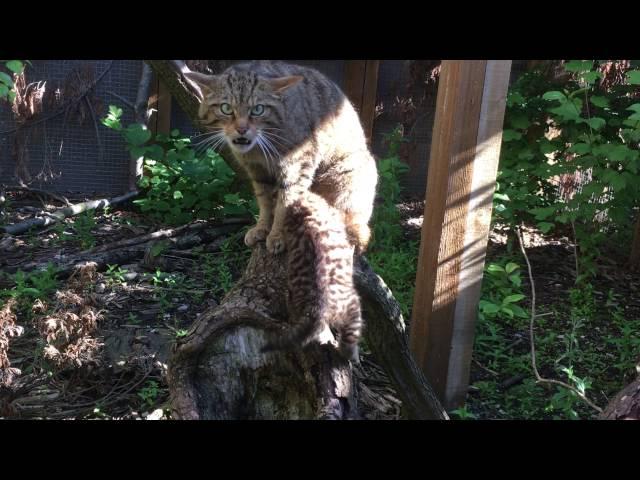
[
  {"x": 587, "y": 336},
  {"x": 95, "y": 344}
]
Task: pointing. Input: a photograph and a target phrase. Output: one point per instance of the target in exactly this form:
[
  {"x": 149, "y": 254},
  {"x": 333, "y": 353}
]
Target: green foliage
[
  {"x": 7, "y": 91},
  {"x": 554, "y": 130},
  {"x": 33, "y": 285},
  {"x": 180, "y": 184},
  {"x": 391, "y": 256},
  {"x": 115, "y": 274},
  {"x": 149, "y": 393},
  {"x": 83, "y": 225}
]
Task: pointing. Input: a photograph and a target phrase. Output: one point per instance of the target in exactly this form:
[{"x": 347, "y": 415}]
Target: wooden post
[
  {"x": 361, "y": 86},
  {"x": 467, "y": 134},
  {"x": 160, "y": 101}
]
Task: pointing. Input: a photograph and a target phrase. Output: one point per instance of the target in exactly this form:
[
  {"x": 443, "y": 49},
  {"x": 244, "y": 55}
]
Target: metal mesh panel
[{"x": 74, "y": 157}]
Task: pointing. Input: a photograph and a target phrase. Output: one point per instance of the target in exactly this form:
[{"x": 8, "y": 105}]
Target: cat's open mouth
[{"x": 241, "y": 141}]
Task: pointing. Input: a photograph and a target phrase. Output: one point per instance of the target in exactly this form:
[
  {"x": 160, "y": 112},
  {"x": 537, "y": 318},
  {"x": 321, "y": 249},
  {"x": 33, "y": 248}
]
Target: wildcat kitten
[
  {"x": 294, "y": 131},
  {"x": 320, "y": 285}
]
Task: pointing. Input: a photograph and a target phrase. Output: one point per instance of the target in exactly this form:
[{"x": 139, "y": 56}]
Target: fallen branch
[
  {"x": 387, "y": 337},
  {"x": 69, "y": 211},
  {"x": 539, "y": 378},
  {"x": 46, "y": 193},
  {"x": 66, "y": 264}
]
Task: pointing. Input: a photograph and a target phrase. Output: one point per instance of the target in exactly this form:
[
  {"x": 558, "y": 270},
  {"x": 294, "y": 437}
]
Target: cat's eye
[
  {"x": 257, "y": 110},
  {"x": 226, "y": 108}
]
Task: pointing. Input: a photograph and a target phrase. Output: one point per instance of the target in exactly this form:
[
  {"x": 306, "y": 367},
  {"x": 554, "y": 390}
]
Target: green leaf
[
  {"x": 495, "y": 268},
  {"x": 4, "y": 90},
  {"x": 515, "y": 279},
  {"x": 578, "y": 65},
  {"x": 501, "y": 196},
  {"x": 545, "y": 227},
  {"x": 599, "y": 101},
  {"x": 177, "y": 195},
  {"x": 6, "y": 79},
  {"x": 509, "y": 135},
  {"x": 596, "y": 123},
  {"x": 137, "y": 135},
  {"x": 591, "y": 77},
  {"x": 511, "y": 267},
  {"x": 633, "y": 77},
  {"x": 634, "y": 108},
  {"x": 618, "y": 182},
  {"x": 580, "y": 148},
  {"x": 15, "y": 66},
  {"x": 544, "y": 212},
  {"x": 513, "y": 298},
  {"x": 566, "y": 111},
  {"x": 520, "y": 122},
  {"x": 554, "y": 95},
  {"x": 488, "y": 307}
]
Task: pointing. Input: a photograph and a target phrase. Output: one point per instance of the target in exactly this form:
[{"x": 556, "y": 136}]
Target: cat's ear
[
  {"x": 205, "y": 83},
  {"x": 279, "y": 85}
]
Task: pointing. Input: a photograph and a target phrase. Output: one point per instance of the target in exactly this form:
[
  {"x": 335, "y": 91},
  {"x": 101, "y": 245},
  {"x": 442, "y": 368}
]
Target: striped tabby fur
[{"x": 321, "y": 292}]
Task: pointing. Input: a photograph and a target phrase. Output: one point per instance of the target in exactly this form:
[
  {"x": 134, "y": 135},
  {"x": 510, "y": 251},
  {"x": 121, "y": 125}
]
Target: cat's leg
[
  {"x": 356, "y": 197},
  {"x": 265, "y": 195},
  {"x": 295, "y": 181}
]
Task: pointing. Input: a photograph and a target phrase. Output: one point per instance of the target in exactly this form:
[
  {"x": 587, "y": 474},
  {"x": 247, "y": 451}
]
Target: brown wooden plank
[
  {"x": 462, "y": 169},
  {"x": 354, "y": 76},
  {"x": 152, "y": 105},
  {"x": 369, "y": 97},
  {"x": 164, "y": 109}
]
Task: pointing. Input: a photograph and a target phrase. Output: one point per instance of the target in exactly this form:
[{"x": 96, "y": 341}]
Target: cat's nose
[{"x": 242, "y": 129}]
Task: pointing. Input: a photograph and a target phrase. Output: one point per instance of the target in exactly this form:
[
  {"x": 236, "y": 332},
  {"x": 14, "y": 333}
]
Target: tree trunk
[{"x": 218, "y": 372}]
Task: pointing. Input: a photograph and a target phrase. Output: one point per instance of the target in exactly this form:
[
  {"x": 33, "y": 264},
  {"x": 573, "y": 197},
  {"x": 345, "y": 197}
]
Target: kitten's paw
[
  {"x": 275, "y": 243},
  {"x": 255, "y": 235}
]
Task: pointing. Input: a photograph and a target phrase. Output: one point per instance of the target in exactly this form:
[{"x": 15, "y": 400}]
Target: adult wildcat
[{"x": 294, "y": 131}]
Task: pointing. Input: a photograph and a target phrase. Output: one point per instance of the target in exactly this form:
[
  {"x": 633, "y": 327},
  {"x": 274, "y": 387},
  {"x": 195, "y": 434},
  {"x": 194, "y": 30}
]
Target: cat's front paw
[
  {"x": 275, "y": 243},
  {"x": 255, "y": 235}
]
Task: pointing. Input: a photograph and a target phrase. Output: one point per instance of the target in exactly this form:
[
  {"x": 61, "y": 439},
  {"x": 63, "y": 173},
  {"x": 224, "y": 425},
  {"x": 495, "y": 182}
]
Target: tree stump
[{"x": 218, "y": 371}]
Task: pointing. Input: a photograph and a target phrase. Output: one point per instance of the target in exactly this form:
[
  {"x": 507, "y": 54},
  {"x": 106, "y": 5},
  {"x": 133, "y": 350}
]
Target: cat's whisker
[
  {"x": 277, "y": 141},
  {"x": 275, "y": 135}
]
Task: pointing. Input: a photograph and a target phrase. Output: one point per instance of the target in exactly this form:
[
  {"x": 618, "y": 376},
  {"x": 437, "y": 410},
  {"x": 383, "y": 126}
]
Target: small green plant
[
  {"x": 502, "y": 292},
  {"x": 181, "y": 184},
  {"x": 115, "y": 274},
  {"x": 391, "y": 256},
  {"x": 149, "y": 393},
  {"x": 83, "y": 226},
  {"x": 463, "y": 414},
  {"x": 7, "y": 91}
]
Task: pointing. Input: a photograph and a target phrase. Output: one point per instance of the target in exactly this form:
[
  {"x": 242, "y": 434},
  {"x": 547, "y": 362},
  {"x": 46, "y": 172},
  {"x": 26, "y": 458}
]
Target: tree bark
[{"x": 217, "y": 371}]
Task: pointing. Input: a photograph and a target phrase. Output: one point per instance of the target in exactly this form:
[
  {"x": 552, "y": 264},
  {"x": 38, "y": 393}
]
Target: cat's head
[{"x": 241, "y": 107}]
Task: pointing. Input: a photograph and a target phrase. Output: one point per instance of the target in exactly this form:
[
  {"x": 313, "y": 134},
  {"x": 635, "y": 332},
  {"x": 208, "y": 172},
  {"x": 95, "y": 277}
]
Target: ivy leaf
[
  {"x": 634, "y": 108},
  {"x": 177, "y": 195},
  {"x": 492, "y": 268}
]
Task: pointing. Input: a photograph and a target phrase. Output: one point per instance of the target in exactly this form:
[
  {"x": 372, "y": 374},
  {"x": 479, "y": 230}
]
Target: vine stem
[{"x": 539, "y": 378}]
